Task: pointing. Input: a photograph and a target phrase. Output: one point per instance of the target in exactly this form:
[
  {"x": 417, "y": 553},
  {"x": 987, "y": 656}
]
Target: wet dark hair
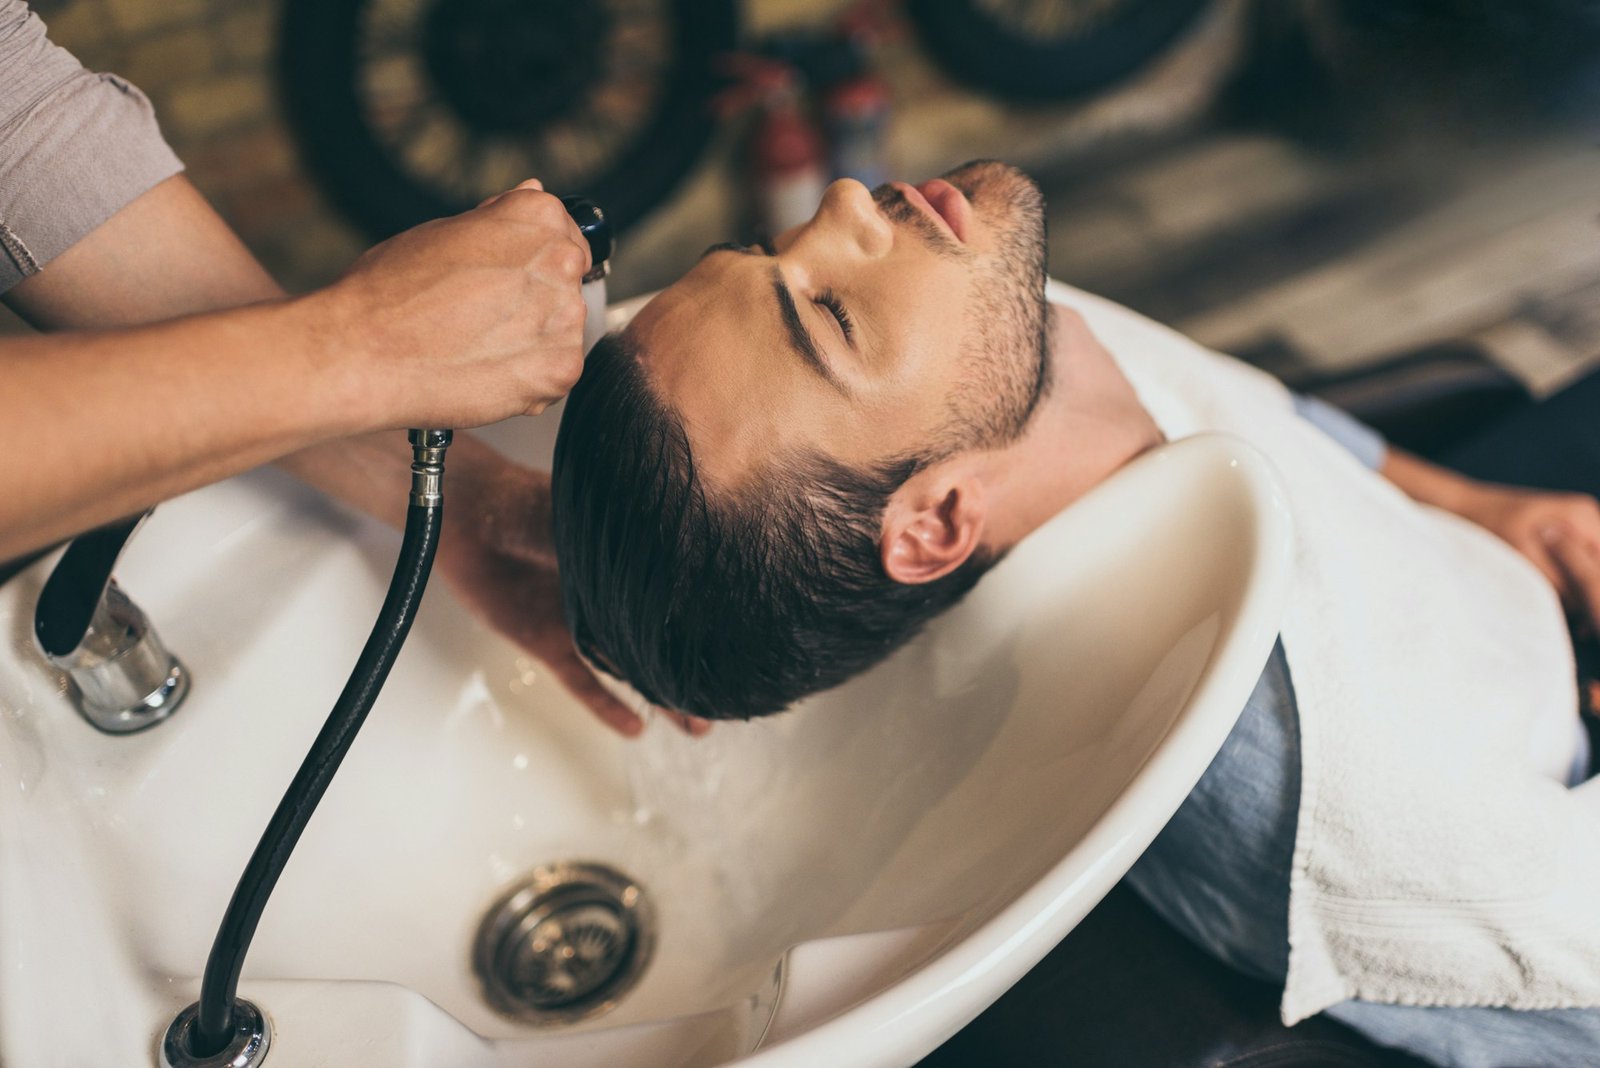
[{"x": 723, "y": 605}]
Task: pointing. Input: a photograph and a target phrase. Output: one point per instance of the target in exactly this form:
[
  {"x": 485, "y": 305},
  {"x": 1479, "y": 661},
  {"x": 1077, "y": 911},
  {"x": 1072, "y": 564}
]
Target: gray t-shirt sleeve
[
  {"x": 75, "y": 146},
  {"x": 1365, "y": 443}
]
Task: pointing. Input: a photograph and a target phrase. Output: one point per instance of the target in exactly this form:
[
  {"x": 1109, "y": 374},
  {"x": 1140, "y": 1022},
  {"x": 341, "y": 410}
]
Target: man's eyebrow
[
  {"x": 732, "y": 246},
  {"x": 799, "y": 336}
]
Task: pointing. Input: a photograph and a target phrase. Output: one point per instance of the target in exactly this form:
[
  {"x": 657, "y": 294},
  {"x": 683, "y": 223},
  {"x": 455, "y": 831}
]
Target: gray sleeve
[
  {"x": 75, "y": 146},
  {"x": 1365, "y": 443}
]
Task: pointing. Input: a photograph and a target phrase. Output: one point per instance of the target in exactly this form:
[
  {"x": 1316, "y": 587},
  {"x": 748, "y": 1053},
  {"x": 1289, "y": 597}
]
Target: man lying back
[{"x": 792, "y": 459}]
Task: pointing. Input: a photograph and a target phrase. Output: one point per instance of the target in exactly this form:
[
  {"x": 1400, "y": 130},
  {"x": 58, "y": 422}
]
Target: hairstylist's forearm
[
  {"x": 464, "y": 321},
  {"x": 166, "y": 254},
  {"x": 115, "y": 421},
  {"x": 169, "y": 254}
]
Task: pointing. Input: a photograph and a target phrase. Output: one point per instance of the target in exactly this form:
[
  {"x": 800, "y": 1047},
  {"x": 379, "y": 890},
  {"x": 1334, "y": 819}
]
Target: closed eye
[
  {"x": 830, "y": 300},
  {"x": 800, "y": 338},
  {"x": 760, "y": 248}
]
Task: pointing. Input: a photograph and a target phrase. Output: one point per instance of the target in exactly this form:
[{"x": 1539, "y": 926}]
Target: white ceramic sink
[{"x": 900, "y": 850}]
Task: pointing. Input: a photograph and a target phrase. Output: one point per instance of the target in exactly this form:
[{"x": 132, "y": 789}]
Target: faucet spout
[{"x": 123, "y": 678}]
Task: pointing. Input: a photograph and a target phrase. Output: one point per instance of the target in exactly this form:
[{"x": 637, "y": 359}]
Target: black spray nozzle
[{"x": 596, "y": 230}]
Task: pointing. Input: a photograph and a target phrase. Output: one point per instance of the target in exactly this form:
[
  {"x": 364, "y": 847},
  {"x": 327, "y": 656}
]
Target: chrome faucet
[{"x": 123, "y": 679}]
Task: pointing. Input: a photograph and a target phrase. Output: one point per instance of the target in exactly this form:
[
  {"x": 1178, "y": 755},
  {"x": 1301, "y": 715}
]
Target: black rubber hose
[{"x": 220, "y": 985}]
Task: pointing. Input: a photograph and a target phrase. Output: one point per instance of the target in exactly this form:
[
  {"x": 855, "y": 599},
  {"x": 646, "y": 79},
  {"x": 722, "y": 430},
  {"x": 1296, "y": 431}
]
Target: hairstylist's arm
[
  {"x": 169, "y": 254},
  {"x": 458, "y": 322}
]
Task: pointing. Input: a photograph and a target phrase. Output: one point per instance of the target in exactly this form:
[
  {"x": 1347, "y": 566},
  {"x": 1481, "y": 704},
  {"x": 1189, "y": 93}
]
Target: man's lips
[
  {"x": 951, "y": 204},
  {"x": 943, "y": 202}
]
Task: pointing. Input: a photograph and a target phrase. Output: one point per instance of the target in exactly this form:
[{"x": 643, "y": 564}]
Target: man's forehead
[
  {"x": 698, "y": 352},
  {"x": 678, "y": 329}
]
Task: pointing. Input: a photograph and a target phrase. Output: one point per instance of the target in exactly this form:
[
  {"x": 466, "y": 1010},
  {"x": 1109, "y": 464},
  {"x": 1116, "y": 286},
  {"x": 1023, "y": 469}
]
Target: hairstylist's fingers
[
  {"x": 1580, "y": 563},
  {"x": 530, "y": 183},
  {"x": 534, "y": 207},
  {"x": 560, "y": 255},
  {"x": 575, "y": 675}
]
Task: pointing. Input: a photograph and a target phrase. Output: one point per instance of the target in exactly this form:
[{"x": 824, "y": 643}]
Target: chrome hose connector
[{"x": 427, "y": 466}]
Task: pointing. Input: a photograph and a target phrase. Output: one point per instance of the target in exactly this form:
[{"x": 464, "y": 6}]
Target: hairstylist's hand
[
  {"x": 466, "y": 320},
  {"x": 1558, "y": 532},
  {"x": 496, "y": 555}
]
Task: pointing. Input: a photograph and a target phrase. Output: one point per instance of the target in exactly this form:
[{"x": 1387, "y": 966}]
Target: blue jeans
[{"x": 1219, "y": 873}]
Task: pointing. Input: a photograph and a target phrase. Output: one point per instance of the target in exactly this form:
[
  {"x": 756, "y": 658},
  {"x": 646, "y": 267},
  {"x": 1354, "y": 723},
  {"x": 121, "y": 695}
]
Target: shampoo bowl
[{"x": 846, "y": 884}]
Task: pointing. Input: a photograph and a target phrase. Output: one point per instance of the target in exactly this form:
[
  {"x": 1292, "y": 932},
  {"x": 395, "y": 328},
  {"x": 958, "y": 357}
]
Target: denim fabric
[
  {"x": 1365, "y": 443},
  {"x": 1219, "y": 870},
  {"x": 1219, "y": 873}
]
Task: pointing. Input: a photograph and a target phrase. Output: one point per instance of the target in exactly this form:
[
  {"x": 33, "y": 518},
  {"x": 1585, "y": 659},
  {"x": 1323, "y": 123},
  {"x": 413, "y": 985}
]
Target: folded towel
[{"x": 1435, "y": 863}]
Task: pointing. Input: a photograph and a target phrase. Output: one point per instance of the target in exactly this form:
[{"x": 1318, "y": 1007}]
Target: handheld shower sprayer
[
  {"x": 596, "y": 230},
  {"x": 221, "y": 1028}
]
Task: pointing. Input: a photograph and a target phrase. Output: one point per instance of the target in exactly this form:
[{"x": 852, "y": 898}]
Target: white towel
[{"x": 1434, "y": 864}]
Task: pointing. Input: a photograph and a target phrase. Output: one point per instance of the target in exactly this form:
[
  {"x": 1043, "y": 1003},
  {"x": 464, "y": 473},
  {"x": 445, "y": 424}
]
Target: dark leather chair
[{"x": 1125, "y": 990}]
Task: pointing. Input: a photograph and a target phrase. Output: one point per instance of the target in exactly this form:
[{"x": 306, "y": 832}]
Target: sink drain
[{"x": 565, "y": 944}]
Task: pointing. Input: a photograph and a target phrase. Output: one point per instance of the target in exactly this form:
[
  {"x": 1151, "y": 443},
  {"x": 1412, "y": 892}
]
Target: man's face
[{"x": 896, "y": 322}]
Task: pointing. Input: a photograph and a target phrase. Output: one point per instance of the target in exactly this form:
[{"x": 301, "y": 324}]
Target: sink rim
[{"x": 942, "y": 995}]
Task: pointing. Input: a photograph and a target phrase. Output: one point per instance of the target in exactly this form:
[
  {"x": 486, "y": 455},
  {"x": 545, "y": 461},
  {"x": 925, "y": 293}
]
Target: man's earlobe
[{"x": 925, "y": 537}]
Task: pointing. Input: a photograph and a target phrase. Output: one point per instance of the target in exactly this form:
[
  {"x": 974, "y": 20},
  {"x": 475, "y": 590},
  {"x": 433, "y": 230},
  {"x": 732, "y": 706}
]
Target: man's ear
[{"x": 931, "y": 525}]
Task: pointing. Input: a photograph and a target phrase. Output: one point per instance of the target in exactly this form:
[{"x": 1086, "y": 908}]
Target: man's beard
[{"x": 1006, "y": 348}]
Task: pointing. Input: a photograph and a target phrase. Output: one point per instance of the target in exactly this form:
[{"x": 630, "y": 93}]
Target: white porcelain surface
[{"x": 905, "y": 847}]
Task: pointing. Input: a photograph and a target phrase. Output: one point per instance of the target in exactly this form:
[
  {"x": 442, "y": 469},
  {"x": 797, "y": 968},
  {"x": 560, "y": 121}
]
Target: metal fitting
[
  {"x": 247, "y": 1048},
  {"x": 123, "y": 678},
  {"x": 427, "y": 466},
  {"x": 120, "y": 675}
]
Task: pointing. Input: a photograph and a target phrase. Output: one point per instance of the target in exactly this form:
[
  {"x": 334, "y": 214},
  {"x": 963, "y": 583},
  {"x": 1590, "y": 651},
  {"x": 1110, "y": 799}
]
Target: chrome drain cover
[{"x": 565, "y": 944}]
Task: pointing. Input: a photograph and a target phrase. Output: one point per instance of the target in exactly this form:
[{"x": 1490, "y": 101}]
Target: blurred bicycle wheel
[
  {"x": 407, "y": 110},
  {"x": 1044, "y": 50}
]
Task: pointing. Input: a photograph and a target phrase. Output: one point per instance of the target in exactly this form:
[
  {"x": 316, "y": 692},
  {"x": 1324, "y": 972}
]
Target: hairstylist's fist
[{"x": 466, "y": 320}]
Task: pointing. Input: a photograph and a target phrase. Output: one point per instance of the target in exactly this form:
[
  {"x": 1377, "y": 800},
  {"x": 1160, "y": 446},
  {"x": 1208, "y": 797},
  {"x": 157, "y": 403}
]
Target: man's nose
[{"x": 848, "y": 205}]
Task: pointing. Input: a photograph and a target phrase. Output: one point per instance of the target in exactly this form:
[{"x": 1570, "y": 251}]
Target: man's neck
[{"x": 1086, "y": 427}]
